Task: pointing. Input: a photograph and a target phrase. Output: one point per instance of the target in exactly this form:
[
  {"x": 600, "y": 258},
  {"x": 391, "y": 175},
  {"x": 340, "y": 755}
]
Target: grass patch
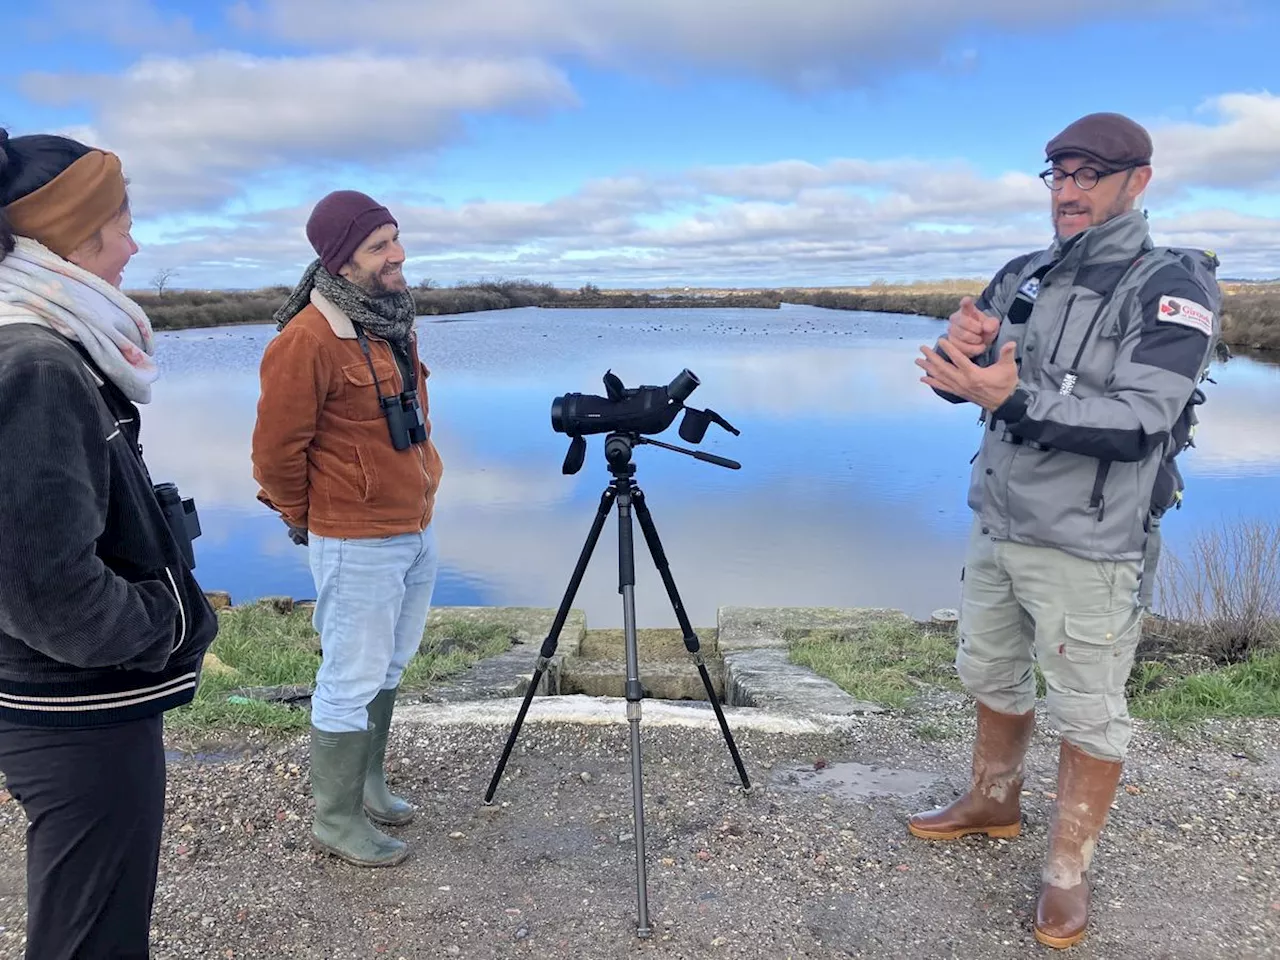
[
  {"x": 931, "y": 733},
  {"x": 450, "y": 648},
  {"x": 886, "y": 664},
  {"x": 1248, "y": 689},
  {"x": 258, "y": 647},
  {"x": 892, "y": 664}
]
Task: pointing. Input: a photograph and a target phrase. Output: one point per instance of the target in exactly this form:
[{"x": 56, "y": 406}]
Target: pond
[{"x": 851, "y": 491}]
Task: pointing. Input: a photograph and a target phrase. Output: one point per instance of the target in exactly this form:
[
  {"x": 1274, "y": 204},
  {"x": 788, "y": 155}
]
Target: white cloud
[
  {"x": 828, "y": 236},
  {"x": 594, "y": 235},
  {"x": 812, "y": 43},
  {"x": 195, "y": 131},
  {"x": 579, "y": 238},
  {"x": 1239, "y": 151},
  {"x": 790, "y": 222}
]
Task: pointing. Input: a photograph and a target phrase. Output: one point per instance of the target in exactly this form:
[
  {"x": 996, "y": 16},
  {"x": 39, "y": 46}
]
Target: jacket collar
[
  {"x": 1120, "y": 238},
  {"x": 344, "y": 329},
  {"x": 338, "y": 321}
]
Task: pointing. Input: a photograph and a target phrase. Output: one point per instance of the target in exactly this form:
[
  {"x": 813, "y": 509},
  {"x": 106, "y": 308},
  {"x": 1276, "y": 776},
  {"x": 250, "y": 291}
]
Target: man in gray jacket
[{"x": 1085, "y": 359}]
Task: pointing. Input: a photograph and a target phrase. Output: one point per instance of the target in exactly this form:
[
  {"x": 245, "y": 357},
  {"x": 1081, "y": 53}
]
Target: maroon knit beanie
[{"x": 339, "y": 224}]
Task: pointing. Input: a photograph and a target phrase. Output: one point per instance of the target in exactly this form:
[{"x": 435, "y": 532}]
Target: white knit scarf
[{"x": 38, "y": 286}]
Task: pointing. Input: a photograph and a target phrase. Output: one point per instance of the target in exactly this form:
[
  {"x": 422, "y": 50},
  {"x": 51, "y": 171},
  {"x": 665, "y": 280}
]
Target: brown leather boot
[
  {"x": 993, "y": 803},
  {"x": 1086, "y": 787}
]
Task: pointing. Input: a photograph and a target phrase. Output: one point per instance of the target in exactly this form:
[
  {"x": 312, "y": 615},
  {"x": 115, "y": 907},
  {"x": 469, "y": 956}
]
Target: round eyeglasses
[{"x": 1086, "y": 178}]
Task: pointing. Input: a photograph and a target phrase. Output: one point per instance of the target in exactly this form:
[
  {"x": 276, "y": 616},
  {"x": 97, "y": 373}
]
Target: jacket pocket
[
  {"x": 182, "y": 631},
  {"x": 368, "y": 475},
  {"x": 361, "y": 392}
]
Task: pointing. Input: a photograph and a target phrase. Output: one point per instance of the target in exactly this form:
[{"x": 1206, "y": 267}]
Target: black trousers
[{"x": 95, "y": 801}]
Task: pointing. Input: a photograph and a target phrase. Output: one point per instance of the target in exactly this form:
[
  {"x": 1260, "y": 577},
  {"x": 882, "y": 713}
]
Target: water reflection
[{"x": 851, "y": 492}]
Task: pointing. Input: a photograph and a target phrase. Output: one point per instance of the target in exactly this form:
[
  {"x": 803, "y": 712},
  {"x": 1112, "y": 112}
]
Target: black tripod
[{"x": 625, "y": 493}]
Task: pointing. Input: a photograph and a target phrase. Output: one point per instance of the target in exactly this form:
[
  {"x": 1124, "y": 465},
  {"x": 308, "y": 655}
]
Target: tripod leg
[
  {"x": 634, "y": 693},
  {"x": 553, "y": 636},
  {"x": 691, "y": 641}
]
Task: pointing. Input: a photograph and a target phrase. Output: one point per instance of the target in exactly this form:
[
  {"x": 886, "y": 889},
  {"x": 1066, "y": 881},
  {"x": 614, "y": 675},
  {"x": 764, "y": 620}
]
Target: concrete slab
[
  {"x": 506, "y": 675},
  {"x": 509, "y": 673},
  {"x": 764, "y": 677},
  {"x": 608, "y": 711},
  {"x": 656, "y": 643},
  {"x": 662, "y": 680},
  {"x": 527, "y": 625},
  {"x": 747, "y": 628}
]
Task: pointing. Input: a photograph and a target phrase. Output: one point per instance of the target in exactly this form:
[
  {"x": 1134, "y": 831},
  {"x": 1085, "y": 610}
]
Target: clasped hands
[{"x": 969, "y": 333}]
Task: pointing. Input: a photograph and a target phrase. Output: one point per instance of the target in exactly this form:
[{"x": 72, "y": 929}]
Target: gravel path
[{"x": 800, "y": 867}]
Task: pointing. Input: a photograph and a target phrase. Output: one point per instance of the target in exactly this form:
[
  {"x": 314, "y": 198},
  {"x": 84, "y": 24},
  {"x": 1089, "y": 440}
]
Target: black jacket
[{"x": 101, "y": 619}]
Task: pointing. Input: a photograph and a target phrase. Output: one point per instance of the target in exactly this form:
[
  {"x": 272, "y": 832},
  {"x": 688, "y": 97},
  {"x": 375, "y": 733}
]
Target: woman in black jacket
[{"x": 102, "y": 625}]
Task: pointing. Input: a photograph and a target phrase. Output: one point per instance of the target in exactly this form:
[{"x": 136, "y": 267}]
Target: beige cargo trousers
[{"x": 1080, "y": 620}]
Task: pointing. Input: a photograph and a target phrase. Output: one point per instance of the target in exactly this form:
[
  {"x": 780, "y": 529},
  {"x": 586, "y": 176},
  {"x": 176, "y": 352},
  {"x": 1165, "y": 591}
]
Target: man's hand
[
  {"x": 297, "y": 534},
  {"x": 988, "y": 387},
  {"x": 970, "y": 330}
]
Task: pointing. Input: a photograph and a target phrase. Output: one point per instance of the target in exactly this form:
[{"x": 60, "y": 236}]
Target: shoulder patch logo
[
  {"x": 1186, "y": 313},
  {"x": 1030, "y": 289}
]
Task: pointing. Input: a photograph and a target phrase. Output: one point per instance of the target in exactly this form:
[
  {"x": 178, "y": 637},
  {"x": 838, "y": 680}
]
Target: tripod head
[{"x": 619, "y": 446}]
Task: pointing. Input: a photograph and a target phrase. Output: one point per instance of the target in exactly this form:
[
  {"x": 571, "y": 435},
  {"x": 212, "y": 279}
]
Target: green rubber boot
[
  {"x": 379, "y": 802},
  {"x": 338, "y": 765}
]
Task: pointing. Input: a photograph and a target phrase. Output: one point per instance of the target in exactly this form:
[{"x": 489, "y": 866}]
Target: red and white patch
[{"x": 1186, "y": 313}]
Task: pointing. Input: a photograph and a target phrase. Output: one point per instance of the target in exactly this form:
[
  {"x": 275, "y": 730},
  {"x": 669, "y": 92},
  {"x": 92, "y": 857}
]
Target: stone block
[{"x": 746, "y": 628}]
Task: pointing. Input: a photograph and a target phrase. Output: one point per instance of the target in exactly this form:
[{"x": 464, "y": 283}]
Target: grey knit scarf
[{"x": 389, "y": 316}]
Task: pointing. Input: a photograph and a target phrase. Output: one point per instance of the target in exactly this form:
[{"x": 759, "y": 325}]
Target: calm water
[{"x": 851, "y": 490}]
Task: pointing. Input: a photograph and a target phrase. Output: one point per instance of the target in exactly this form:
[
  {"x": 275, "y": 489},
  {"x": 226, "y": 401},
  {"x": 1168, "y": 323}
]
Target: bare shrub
[{"x": 1222, "y": 598}]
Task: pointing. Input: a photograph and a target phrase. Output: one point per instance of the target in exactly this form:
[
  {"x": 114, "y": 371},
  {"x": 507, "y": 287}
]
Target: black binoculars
[
  {"x": 405, "y": 421},
  {"x": 182, "y": 518}
]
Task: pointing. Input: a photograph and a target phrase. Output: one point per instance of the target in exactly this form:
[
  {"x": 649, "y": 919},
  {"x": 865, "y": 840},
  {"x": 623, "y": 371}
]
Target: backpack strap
[{"x": 1167, "y": 492}]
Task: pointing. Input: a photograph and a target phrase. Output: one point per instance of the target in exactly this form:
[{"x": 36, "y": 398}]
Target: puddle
[
  {"x": 209, "y": 751},
  {"x": 853, "y": 781}
]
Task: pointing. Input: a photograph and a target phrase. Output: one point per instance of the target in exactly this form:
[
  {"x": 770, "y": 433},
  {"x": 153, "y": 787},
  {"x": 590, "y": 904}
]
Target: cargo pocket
[{"x": 1097, "y": 649}]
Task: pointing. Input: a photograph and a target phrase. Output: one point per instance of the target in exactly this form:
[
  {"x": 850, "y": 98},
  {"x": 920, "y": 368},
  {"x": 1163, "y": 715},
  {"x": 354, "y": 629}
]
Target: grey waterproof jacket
[{"x": 1113, "y": 337}]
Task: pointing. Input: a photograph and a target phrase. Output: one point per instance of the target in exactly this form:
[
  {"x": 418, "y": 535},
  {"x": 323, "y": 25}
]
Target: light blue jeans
[{"x": 372, "y": 600}]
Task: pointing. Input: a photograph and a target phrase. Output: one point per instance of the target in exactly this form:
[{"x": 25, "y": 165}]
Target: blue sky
[{"x": 651, "y": 142}]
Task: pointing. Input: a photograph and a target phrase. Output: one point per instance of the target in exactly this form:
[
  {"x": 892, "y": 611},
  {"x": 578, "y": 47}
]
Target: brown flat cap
[{"x": 1109, "y": 138}]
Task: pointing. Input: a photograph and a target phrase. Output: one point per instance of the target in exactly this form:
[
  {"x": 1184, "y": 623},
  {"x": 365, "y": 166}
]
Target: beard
[
  {"x": 383, "y": 283},
  {"x": 1123, "y": 203}
]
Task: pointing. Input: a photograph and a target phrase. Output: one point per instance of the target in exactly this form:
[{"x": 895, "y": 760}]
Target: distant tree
[
  {"x": 162, "y": 278},
  {"x": 426, "y": 283},
  {"x": 589, "y": 290}
]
